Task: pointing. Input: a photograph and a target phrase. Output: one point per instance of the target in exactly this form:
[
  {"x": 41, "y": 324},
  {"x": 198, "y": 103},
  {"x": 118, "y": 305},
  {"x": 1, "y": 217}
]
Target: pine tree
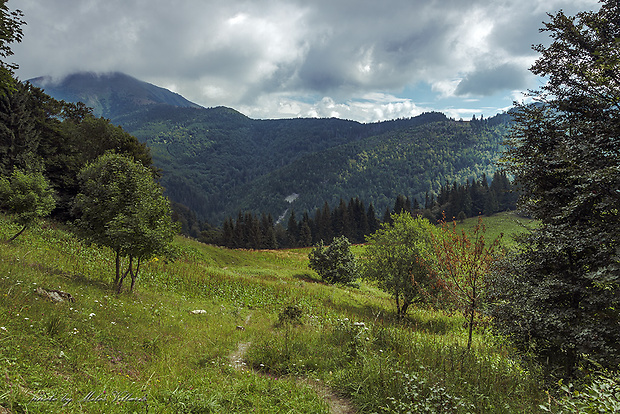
[
  {"x": 373, "y": 222},
  {"x": 559, "y": 294},
  {"x": 292, "y": 230},
  {"x": 228, "y": 233}
]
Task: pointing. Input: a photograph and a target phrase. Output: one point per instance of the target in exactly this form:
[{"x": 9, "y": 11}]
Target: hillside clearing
[{"x": 147, "y": 349}]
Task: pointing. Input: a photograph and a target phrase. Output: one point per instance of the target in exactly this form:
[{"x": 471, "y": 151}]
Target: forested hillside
[{"x": 217, "y": 161}]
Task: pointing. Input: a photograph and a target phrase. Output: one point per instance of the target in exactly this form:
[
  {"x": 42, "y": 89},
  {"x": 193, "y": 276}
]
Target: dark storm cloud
[{"x": 272, "y": 57}]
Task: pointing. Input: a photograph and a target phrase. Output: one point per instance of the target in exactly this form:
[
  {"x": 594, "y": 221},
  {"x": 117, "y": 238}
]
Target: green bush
[
  {"x": 601, "y": 396},
  {"x": 335, "y": 263}
]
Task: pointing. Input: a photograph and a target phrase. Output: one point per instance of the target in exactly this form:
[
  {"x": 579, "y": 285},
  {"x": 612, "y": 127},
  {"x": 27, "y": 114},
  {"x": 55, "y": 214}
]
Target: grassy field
[
  {"x": 272, "y": 339},
  {"x": 505, "y": 223}
]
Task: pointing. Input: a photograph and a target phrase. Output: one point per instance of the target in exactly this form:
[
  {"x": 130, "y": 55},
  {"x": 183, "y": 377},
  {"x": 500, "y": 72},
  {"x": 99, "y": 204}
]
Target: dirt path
[
  {"x": 337, "y": 404},
  {"x": 236, "y": 358}
]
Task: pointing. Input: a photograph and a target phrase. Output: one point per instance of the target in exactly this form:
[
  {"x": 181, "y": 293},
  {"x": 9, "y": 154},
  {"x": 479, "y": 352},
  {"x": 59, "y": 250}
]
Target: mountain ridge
[
  {"x": 109, "y": 94},
  {"x": 218, "y": 161}
]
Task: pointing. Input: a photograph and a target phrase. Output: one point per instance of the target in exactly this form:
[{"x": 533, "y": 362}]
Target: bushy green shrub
[
  {"x": 417, "y": 396},
  {"x": 26, "y": 195},
  {"x": 601, "y": 396},
  {"x": 334, "y": 263}
]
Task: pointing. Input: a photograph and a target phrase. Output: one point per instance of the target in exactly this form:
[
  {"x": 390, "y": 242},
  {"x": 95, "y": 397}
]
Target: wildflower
[
  {"x": 3, "y": 328},
  {"x": 91, "y": 315}
]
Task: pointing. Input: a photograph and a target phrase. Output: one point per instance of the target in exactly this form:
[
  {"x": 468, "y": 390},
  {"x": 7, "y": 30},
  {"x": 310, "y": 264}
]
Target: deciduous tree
[
  {"x": 121, "y": 206},
  {"x": 397, "y": 257},
  {"x": 11, "y": 23},
  {"x": 463, "y": 263}
]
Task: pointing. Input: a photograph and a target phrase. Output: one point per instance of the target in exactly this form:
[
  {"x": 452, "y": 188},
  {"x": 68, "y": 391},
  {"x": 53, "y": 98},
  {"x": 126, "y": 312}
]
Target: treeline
[
  {"x": 353, "y": 220},
  {"x": 474, "y": 198}
]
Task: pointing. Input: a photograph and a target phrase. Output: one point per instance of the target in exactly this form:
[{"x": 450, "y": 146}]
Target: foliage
[
  {"x": 120, "y": 206},
  {"x": 398, "y": 258},
  {"x": 38, "y": 132},
  {"x": 475, "y": 198},
  {"x": 334, "y": 263},
  {"x": 10, "y": 32},
  {"x": 464, "y": 263},
  {"x": 19, "y": 137},
  {"x": 601, "y": 396},
  {"x": 378, "y": 167},
  {"x": 419, "y": 397},
  {"x": 27, "y": 196},
  {"x": 559, "y": 296}
]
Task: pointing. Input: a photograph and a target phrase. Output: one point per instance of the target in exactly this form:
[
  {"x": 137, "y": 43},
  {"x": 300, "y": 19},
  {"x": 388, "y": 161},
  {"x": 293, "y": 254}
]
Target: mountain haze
[
  {"x": 217, "y": 161},
  {"x": 110, "y": 94}
]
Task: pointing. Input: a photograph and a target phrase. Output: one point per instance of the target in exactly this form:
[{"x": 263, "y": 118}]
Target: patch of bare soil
[
  {"x": 236, "y": 358},
  {"x": 336, "y": 403}
]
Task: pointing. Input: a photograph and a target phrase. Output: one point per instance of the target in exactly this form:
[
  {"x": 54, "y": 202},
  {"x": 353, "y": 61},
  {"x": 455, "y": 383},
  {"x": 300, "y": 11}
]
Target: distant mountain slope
[
  {"x": 217, "y": 161},
  {"x": 110, "y": 94},
  {"x": 377, "y": 169}
]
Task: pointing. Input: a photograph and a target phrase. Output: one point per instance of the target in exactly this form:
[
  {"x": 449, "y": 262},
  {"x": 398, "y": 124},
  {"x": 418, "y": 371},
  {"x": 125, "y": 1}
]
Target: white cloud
[{"x": 273, "y": 58}]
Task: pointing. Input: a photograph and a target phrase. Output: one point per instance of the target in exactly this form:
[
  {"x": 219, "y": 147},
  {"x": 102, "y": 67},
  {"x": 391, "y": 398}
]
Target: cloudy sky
[{"x": 365, "y": 60}]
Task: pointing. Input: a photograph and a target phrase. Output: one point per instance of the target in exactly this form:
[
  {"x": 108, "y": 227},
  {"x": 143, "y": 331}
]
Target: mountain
[
  {"x": 218, "y": 162},
  {"x": 110, "y": 94}
]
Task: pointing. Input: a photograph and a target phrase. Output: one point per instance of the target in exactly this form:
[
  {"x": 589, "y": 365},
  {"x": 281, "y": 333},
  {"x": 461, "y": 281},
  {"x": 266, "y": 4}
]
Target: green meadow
[{"x": 272, "y": 338}]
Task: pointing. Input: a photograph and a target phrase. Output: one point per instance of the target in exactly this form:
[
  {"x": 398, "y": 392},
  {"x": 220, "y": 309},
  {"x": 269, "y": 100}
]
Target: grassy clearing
[
  {"x": 507, "y": 223},
  {"x": 146, "y": 352}
]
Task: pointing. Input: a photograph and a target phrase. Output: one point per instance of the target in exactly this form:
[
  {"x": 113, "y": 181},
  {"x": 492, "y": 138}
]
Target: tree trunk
[
  {"x": 471, "y": 328},
  {"x": 117, "y": 279},
  {"x": 20, "y": 232},
  {"x": 134, "y": 276},
  {"x": 129, "y": 270},
  {"x": 404, "y": 307},
  {"x": 472, "y": 311}
]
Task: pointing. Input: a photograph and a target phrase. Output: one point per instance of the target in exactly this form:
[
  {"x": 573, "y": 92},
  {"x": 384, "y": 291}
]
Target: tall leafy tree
[
  {"x": 121, "y": 206},
  {"x": 398, "y": 258},
  {"x": 561, "y": 293}
]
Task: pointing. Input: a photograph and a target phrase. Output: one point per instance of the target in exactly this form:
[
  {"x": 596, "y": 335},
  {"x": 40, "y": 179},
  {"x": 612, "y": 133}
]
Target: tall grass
[{"x": 146, "y": 351}]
